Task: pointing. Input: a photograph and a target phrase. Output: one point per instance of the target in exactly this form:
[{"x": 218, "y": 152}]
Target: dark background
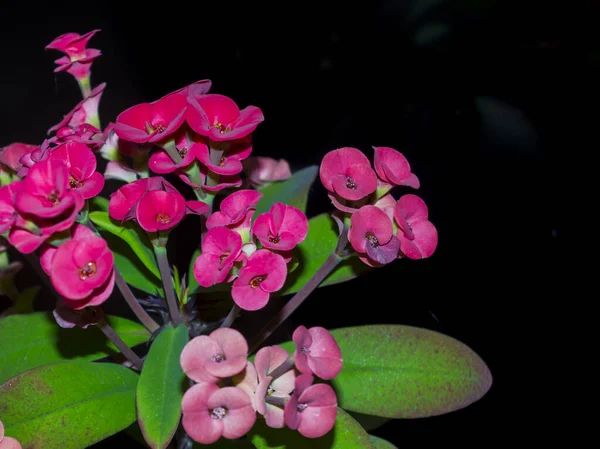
[{"x": 476, "y": 94}]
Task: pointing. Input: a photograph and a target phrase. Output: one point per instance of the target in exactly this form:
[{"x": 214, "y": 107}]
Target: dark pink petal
[
  {"x": 290, "y": 219},
  {"x": 47, "y": 176},
  {"x": 393, "y": 168},
  {"x": 356, "y": 182},
  {"x": 424, "y": 243},
  {"x": 318, "y": 395},
  {"x": 25, "y": 241},
  {"x": 206, "y": 111},
  {"x": 131, "y": 123},
  {"x": 249, "y": 118},
  {"x": 369, "y": 222},
  {"x": 261, "y": 227},
  {"x": 46, "y": 255},
  {"x": 196, "y": 207},
  {"x": 97, "y": 297},
  {"x": 249, "y": 298},
  {"x": 339, "y": 206},
  {"x": 208, "y": 269},
  {"x": 291, "y": 416},
  {"x": 303, "y": 341},
  {"x": 92, "y": 186},
  {"x": 240, "y": 415},
  {"x": 303, "y": 382},
  {"x": 194, "y": 356},
  {"x": 160, "y": 161},
  {"x": 384, "y": 254},
  {"x": 272, "y": 266},
  {"x": 123, "y": 200},
  {"x": 228, "y": 165},
  {"x": 222, "y": 241},
  {"x": 159, "y": 210},
  {"x": 11, "y": 154},
  {"x": 325, "y": 356},
  {"x": 410, "y": 208},
  {"x": 62, "y": 41},
  {"x": 236, "y": 204},
  {"x": 197, "y": 421},
  {"x": 318, "y": 421},
  {"x": 218, "y": 219},
  {"x": 233, "y": 348},
  {"x": 224, "y": 182},
  {"x": 331, "y": 166}
]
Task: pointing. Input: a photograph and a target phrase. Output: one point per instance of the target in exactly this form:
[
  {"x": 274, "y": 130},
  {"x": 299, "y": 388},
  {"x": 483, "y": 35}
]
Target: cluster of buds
[
  {"x": 231, "y": 391},
  {"x": 381, "y": 229},
  {"x": 8, "y": 442}
]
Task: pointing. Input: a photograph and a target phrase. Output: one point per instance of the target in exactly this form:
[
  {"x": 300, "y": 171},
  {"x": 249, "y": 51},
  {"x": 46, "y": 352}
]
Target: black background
[{"x": 475, "y": 94}]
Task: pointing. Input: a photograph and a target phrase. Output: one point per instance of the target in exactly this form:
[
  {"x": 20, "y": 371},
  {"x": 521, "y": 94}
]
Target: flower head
[
  {"x": 10, "y": 155},
  {"x": 418, "y": 236},
  {"x": 83, "y": 176},
  {"x": 317, "y": 352},
  {"x": 123, "y": 204},
  {"x": 78, "y": 58},
  {"x": 371, "y": 234},
  {"x": 221, "y": 247},
  {"x": 393, "y": 168},
  {"x": 236, "y": 211},
  {"x": 282, "y": 228},
  {"x": 159, "y": 210},
  {"x": 229, "y": 156}
]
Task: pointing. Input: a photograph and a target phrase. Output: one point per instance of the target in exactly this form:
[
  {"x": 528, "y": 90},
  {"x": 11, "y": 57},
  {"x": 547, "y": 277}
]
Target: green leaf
[
  {"x": 369, "y": 422},
  {"x": 161, "y": 387},
  {"x": 380, "y": 443},
  {"x": 133, "y": 235},
  {"x": 346, "y": 434},
  {"x": 313, "y": 251},
  {"x": 293, "y": 191},
  {"x": 32, "y": 340},
  {"x": 98, "y": 203},
  {"x": 68, "y": 405}
]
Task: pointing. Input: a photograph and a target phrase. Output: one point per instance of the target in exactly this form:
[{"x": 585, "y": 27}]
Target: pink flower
[
  {"x": 124, "y": 202},
  {"x": 317, "y": 352},
  {"x": 31, "y": 158},
  {"x": 10, "y": 155},
  {"x": 78, "y": 58},
  {"x": 267, "y": 360},
  {"x": 7, "y": 442},
  {"x": 85, "y": 133},
  {"x": 46, "y": 192},
  {"x": 236, "y": 211},
  {"x": 151, "y": 122},
  {"x": 229, "y": 156},
  {"x": 219, "y": 118},
  {"x": 312, "y": 409},
  {"x": 81, "y": 269},
  {"x": 161, "y": 162},
  {"x": 221, "y": 247},
  {"x": 348, "y": 173},
  {"x": 282, "y": 228},
  {"x": 82, "y": 167},
  {"x": 210, "y": 412},
  {"x": 208, "y": 358},
  {"x": 371, "y": 234},
  {"x": 160, "y": 210},
  {"x": 393, "y": 168},
  {"x": 264, "y": 274},
  {"x": 262, "y": 170},
  {"x": 418, "y": 236},
  {"x": 86, "y": 110},
  {"x": 8, "y": 213}
]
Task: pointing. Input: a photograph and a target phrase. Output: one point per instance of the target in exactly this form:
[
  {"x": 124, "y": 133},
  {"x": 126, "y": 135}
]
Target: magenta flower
[
  {"x": 312, "y": 409},
  {"x": 219, "y": 118},
  {"x": 208, "y": 358},
  {"x": 78, "y": 58},
  {"x": 82, "y": 167},
  {"x": 8, "y": 442},
  {"x": 151, "y": 122},
  {"x": 160, "y": 161},
  {"x": 348, "y": 173},
  {"x": 317, "y": 352},
  {"x": 8, "y": 213},
  {"x": 210, "y": 412},
  {"x": 229, "y": 157},
  {"x": 84, "y": 133},
  {"x": 282, "y": 228},
  {"x": 236, "y": 211},
  {"x": 393, "y": 168},
  {"x": 31, "y": 158},
  {"x": 86, "y": 110},
  {"x": 10, "y": 155},
  {"x": 371, "y": 233},
  {"x": 221, "y": 247},
  {"x": 264, "y": 274},
  {"x": 262, "y": 170},
  {"x": 124, "y": 202},
  {"x": 81, "y": 269},
  {"x": 267, "y": 360},
  {"x": 160, "y": 210},
  {"x": 418, "y": 236}
]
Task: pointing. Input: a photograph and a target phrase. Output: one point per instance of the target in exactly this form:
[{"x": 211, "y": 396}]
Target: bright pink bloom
[
  {"x": 230, "y": 157},
  {"x": 8, "y": 213},
  {"x": 221, "y": 247},
  {"x": 7, "y": 442},
  {"x": 84, "y": 133},
  {"x": 160, "y": 161},
  {"x": 312, "y": 409},
  {"x": 220, "y": 119},
  {"x": 418, "y": 236},
  {"x": 78, "y": 58},
  {"x": 82, "y": 167},
  {"x": 262, "y": 170},
  {"x": 151, "y": 122},
  {"x": 224, "y": 182},
  {"x": 160, "y": 210},
  {"x": 371, "y": 233},
  {"x": 31, "y": 158},
  {"x": 267, "y": 360},
  {"x": 46, "y": 192},
  {"x": 210, "y": 412},
  {"x": 393, "y": 168},
  {"x": 317, "y": 352},
  {"x": 67, "y": 317},
  {"x": 196, "y": 207},
  {"x": 85, "y": 111},
  {"x": 264, "y": 274},
  {"x": 124, "y": 202},
  {"x": 208, "y": 358},
  {"x": 282, "y": 228},
  {"x": 348, "y": 173},
  {"x": 236, "y": 210},
  {"x": 81, "y": 269},
  {"x": 10, "y": 155}
]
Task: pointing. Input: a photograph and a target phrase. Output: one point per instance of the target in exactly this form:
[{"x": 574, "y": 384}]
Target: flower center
[
  {"x": 222, "y": 129},
  {"x": 74, "y": 184},
  {"x": 182, "y": 152},
  {"x": 223, "y": 257},
  {"x": 275, "y": 239},
  {"x": 157, "y": 126},
  {"x": 87, "y": 271},
  {"x": 350, "y": 183},
  {"x": 305, "y": 350},
  {"x": 255, "y": 281},
  {"x": 372, "y": 239},
  {"x": 301, "y": 407},
  {"x": 163, "y": 218},
  {"x": 222, "y": 161},
  {"x": 53, "y": 197},
  {"x": 270, "y": 390},
  {"x": 218, "y": 413},
  {"x": 218, "y": 358}
]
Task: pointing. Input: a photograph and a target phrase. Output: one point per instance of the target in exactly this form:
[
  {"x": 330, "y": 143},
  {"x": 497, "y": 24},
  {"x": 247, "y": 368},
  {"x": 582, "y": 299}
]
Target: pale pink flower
[
  {"x": 348, "y": 173},
  {"x": 418, "y": 236},
  {"x": 317, "y": 352}
]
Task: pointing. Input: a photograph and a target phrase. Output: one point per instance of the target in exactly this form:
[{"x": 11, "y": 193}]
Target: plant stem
[
  {"x": 120, "y": 344},
  {"x": 165, "y": 274},
  {"x": 231, "y": 316},
  {"x": 133, "y": 304},
  {"x": 282, "y": 369}
]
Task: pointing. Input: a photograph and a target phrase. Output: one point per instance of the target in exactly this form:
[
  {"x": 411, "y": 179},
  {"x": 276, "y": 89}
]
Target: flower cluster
[
  {"x": 231, "y": 390},
  {"x": 7, "y": 442},
  {"x": 381, "y": 229}
]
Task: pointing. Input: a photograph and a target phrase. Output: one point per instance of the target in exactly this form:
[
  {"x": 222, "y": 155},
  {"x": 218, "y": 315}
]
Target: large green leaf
[
  {"x": 380, "y": 443},
  {"x": 99, "y": 203},
  {"x": 293, "y": 191},
  {"x": 161, "y": 387},
  {"x": 68, "y": 405},
  {"x": 369, "y": 422},
  {"x": 32, "y": 340},
  {"x": 346, "y": 434},
  {"x": 133, "y": 235}
]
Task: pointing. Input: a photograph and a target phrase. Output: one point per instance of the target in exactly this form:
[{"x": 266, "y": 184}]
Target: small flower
[
  {"x": 262, "y": 170},
  {"x": 221, "y": 247},
  {"x": 229, "y": 156},
  {"x": 210, "y": 412},
  {"x": 208, "y": 358},
  {"x": 124, "y": 202},
  {"x": 371, "y": 233},
  {"x": 7, "y": 442},
  {"x": 348, "y": 173},
  {"x": 219, "y": 118},
  {"x": 317, "y": 352},
  {"x": 312, "y": 409},
  {"x": 160, "y": 210},
  {"x": 264, "y": 273},
  {"x": 78, "y": 58},
  {"x": 160, "y": 161},
  {"x": 282, "y": 228},
  {"x": 10, "y": 155},
  {"x": 8, "y": 213},
  {"x": 393, "y": 168},
  {"x": 82, "y": 167},
  {"x": 236, "y": 211},
  {"x": 418, "y": 236},
  {"x": 86, "y": 110}
]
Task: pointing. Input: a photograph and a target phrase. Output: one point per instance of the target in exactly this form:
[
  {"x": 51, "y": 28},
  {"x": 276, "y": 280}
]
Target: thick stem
[
  {"x": 133, "y": 304},
  {"x": 282, "y": 369},
  {"x": 165, "y": 274},
  {"x": 85, "y": 87},
  {"x": 275, "y": 400},
  {"x": 231, "y": 316},
  {"x": 120, "y": 344}
]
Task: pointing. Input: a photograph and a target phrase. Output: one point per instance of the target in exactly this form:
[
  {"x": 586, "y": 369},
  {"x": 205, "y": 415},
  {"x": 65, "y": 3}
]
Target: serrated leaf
[
  {"x": 293, "y": 191},
  {"x": 346, "y": 434},
  {"x": 380, "y": 443},
  {"x": 161, "y": 387},
  {"x": 32, "y": 340},
  {"x": 69, "y": 405}
]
